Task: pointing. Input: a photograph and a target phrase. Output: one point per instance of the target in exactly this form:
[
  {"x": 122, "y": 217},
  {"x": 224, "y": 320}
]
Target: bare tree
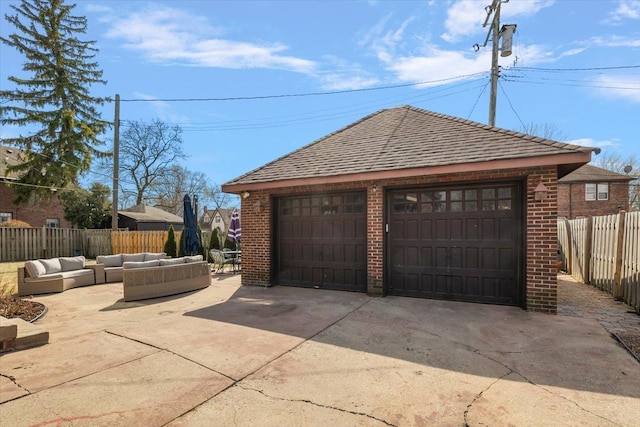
[
  {"x": 546, "y": 130},
  {"x": 626, "y": 165},
  {"x": 169, "y": 190},
  {"x": 148, "y": 152}
]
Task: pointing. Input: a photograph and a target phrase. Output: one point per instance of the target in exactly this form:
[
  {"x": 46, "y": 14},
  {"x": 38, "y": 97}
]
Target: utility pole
[
  {"x": 495, "y": 70},
  {"x": 116, "y": 164},
  {"x": 506, "y": 32}
]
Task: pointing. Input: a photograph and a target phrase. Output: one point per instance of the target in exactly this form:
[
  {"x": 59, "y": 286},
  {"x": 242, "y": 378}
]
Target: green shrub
[{"x": 170, "y": 244}]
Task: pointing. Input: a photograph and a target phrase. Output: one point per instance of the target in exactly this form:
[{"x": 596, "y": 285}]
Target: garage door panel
[
  {"x": 467, "y": 238},
  {"x": 321, "y": 241},
  {"x": 471, "y": 229},
  {"x": 441, "y": 229},
  {"x": 457, "y": 229}
]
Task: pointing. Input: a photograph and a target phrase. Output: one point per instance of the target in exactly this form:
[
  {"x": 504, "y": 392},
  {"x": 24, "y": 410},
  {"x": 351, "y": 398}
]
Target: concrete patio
[{"x": 232, "y": 355}]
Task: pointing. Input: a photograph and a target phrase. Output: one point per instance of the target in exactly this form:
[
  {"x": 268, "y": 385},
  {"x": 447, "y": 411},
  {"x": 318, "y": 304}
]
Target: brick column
[
  {"x": 542, "y": 242},
  {"x": 375, "y": 236},
  {"x": 256, "y": 239}
]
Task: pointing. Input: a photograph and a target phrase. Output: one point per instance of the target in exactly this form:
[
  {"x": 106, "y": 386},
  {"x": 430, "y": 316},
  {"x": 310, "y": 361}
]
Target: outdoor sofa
[
  {"x": 113, "y": 263},
  {"x": 43, "y": 276},
  {"x": 163, "y": 277}
]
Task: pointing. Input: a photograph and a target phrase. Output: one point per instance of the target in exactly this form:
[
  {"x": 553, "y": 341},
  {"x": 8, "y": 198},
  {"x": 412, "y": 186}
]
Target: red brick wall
[
  {"x": 540, "y": 237},
  {"x": 35, "y": 214},
  {"x": 572, "y": 203}
]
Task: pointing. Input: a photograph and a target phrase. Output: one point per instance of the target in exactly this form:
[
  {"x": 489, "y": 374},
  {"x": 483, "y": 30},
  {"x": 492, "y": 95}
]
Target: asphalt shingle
[{"x": 404, "y": 138}]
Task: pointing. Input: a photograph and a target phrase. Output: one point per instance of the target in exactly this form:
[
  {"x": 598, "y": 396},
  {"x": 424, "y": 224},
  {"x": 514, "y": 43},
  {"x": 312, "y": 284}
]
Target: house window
[
  {"x": 596, "y": 191},
  {"x": 5, "y": 216},
  {"x": 53, "y": 223},
  {"x": 217, "y": 219}
]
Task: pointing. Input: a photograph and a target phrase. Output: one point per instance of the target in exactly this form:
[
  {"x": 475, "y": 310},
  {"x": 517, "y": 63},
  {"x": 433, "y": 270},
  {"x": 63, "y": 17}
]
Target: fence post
[
  {"x": 569, "y": 254},
  {"x": 587, "y": 250},
  {"x": 617, "y": 276}
]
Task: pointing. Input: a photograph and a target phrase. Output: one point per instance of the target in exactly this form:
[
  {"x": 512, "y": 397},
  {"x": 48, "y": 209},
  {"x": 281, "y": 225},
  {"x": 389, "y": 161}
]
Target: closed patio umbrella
[
  {"x": 235, "y": 231},
  {"x": 191, "y": 241}
]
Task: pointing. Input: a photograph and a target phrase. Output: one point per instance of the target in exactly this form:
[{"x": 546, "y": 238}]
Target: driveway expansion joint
[{"x": 320, "y": 405}]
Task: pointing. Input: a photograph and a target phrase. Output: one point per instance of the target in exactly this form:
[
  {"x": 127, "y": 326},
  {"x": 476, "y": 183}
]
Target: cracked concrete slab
[
  {"x": 150, "y": 391},
  {"x": 244, "y": 407},
  {"x": 232, "y": 355},
  {"x": 547, "y": 406},
  {"x": 44, "y": 367},
  {"x": 242, "y": 334}
]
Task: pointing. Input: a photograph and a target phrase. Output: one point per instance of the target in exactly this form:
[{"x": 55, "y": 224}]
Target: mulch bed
[{"x": 25, "y": 309}]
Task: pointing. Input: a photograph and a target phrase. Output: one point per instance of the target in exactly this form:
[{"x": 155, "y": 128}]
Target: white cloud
[
  {"x": 625, "y": 87},
  {"x": 627, "y": 9},
  {"x": 166, "y": 35},
  {"x": 590, "y": 142},
  {"x": 614, "y": 41},
  {"x": 465, "y": 17}
]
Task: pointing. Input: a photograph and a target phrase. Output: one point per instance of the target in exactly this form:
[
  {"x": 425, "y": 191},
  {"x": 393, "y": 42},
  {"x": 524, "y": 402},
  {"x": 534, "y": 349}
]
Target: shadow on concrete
[{"x": 470, "y": 338}]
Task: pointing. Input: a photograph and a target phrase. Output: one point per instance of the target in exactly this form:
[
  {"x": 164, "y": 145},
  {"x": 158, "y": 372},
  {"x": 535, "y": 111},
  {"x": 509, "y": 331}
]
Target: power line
[
  {"x": 511, "y": 105},
  {"x": 619, "y": 67},
  {"x": 292, "y": 95}
]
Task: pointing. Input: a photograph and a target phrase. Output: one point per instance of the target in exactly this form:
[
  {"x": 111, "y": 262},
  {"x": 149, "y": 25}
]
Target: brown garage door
[
  {"x": 322, "y": 241},
  {"x": 458, "y": 243}
]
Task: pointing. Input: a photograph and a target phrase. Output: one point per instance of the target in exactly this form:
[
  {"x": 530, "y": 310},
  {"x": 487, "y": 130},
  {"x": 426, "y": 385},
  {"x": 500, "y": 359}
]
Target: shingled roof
[
  {"x": 403, "y": 138},
  {"x": 594, "y": 174},
  {"x": 9, "y": 157}
]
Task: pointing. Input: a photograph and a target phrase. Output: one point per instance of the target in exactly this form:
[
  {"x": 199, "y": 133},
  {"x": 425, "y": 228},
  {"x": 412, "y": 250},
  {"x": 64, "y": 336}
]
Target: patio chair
[
  {"x": 219, "y": 260},
  {"x": 231, "y": 257}
]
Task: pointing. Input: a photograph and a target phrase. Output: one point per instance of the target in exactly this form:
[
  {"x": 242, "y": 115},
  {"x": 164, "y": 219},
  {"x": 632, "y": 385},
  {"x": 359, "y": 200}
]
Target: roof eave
[{"x": 571, "y": 160}]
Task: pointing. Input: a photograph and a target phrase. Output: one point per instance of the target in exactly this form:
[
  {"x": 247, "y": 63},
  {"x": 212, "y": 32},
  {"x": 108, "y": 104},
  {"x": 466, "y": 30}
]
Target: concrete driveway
[{"x": 230, "y": 355}]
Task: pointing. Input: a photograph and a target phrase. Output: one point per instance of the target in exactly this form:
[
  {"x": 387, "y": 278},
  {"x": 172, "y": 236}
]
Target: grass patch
[{"x": 9, "y": 277}]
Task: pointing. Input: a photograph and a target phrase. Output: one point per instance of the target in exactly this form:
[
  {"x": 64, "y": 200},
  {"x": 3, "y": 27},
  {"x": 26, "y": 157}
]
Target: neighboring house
[
  {"x": 592, "y": 191},
  {"x": 218, "y": 218},
  {"x": 411, "y": 203},
  {"x": 38, "y": 211},
  {"x": 143, "y": 217}
]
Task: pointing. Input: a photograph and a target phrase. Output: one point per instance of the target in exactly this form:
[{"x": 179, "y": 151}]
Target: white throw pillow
[
  {"x": 52, "y": 265},
  {"x": 35, "y": 268},
  {"x": 149, "y": 256},
  {"x": 132, "y": 258},
  {"x": 110, "y": 260},
  {"x": 171, "y": 261},
  {"x": 140, "y": 264},
  {"x": 72, "y": 263}
]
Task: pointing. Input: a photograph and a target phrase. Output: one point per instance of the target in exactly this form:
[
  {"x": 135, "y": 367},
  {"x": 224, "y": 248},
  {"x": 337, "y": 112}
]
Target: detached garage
[{"x": 411, "y": 203}]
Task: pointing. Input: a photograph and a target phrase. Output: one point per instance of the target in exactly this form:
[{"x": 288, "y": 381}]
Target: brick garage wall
[
  {"x": 540, "y": 237},
  {"x": 35, "y": 214},
  {"x": 572, "y": 203}
]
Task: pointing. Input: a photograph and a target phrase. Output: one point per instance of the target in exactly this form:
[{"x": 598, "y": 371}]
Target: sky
[{"x": 250, "y": 81}]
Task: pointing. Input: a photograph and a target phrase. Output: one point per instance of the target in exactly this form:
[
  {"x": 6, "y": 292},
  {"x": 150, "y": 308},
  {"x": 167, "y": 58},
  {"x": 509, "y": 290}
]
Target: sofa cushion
[
  {"x": 72, "y": 263},
  {"x": 141, "y": 264},
  {"x": 52, "y": 265},
  {"x": 132, "y": 258},
  {"x": 110, "y": 260},
  {"x": 149, "y": 256},
  {"x": 35, "y": 268},
  {"x": 193, "y": 258},
  {"x": 171, "y": 261}
]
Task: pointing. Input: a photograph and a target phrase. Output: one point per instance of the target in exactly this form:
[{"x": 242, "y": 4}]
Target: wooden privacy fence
[
  {"x": 19, "y": 244},
  {"x": 22, "y": 244},
  {"x": 604, "y": 251}
]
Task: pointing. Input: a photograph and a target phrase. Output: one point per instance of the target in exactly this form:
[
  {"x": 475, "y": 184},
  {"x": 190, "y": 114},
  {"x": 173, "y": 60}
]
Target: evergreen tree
[
  {"x": 214, "y": 241},
  {"x": 53, "y": 98},
  {"x": 170, "y": 244},
  {"x": 203, "y": 247},
  {"x": 181, "y": 244}
]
